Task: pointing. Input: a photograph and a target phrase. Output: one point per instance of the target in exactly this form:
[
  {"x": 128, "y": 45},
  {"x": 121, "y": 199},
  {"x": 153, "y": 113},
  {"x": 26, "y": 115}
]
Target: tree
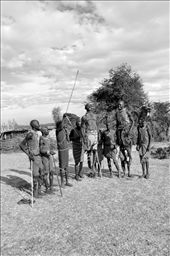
[
  {"x": 123, "y": 84},
  {"x": 57, "y": 115},
  {"x": 4, "y": 127},
  {"x": 161, "y": 120},
  {"x": 14, "y": 124}
]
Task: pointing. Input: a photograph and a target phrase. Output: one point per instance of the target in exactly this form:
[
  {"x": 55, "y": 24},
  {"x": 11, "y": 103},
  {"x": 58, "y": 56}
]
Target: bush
[{"x": 160, "y": 153}]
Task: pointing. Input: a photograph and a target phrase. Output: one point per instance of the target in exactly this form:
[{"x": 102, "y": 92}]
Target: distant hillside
[
  {"x": 71, "y": 121},
  {"x": 10, "y": 140},
  {"x": 27, "y": 127}
]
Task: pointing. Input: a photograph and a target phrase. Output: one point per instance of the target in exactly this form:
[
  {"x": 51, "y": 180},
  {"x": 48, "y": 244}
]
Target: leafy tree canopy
[
  {"x": 161, "y": 120},
  {"x": 123, "y": 84}
]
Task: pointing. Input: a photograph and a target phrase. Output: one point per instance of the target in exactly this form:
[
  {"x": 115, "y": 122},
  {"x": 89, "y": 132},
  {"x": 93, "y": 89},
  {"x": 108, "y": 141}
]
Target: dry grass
[{"x": 96, "y": 217}]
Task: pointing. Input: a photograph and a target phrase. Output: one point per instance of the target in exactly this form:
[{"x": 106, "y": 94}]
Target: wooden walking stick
[
  {"x": 100, "y": 171},
  {"x": 57, "y": 176},
  {"x": 32, "y": 198}
]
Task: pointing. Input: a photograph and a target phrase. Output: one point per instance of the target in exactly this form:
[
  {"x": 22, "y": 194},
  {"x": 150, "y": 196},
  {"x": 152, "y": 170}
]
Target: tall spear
[
  {"x": 72, "y": 91},
  {"x": 70, "y": 100}
]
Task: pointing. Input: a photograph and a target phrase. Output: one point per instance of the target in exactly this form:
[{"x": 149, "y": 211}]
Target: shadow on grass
[
  {"x": 16, "y": 182},
  {"x": 86, "y": 171},
  {"x": 20, "y": 172}
]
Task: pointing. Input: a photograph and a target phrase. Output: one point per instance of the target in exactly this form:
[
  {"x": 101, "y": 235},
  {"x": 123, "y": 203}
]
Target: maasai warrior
[
  {"x": 110, "y": 149},
  {"x": 89, "y": 131},
  {"x": 62, "y": 137},
  {"x": 143, "y": 145},
  {"x": 46, "y": 156},
  {"x": 124, "y": 125},
  {"x": 30, "y": 146},
  {"x": 78, "y": 149}
]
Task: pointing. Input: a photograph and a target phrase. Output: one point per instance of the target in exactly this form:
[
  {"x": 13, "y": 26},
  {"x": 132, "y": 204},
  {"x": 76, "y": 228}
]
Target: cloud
[{"x": 44, "y": 43}]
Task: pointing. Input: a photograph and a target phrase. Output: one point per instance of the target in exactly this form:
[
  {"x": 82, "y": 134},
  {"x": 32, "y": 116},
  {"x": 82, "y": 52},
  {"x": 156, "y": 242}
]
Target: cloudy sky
[{"x": 44, "y": 43}]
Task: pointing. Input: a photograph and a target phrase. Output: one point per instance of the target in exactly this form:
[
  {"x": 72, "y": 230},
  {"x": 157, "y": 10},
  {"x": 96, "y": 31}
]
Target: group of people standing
[{"x": 85, "y": 137}]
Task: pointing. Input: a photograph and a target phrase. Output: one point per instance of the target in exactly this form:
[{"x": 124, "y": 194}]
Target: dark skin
[
  {"x": 145, "y": 164},
  {"x": 78, "y": 124},
  {"x": 45, "y": 133},
  {"x": 126, "y": 152},
  {"x": 80, "y": 164},
  {"x": 35, "y": 126},
  {"x": 121, "y": 106},
  {"x": 89, "y": 124},
  {"x": 115, "y": 148}
]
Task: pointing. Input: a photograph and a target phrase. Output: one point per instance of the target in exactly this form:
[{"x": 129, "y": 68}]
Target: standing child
[
  {"x": 143, "y": 145},
  {"x": 46, "y": 156},
  {"x": 110, "y": 148},
  {"x": 30, "y": 146}
]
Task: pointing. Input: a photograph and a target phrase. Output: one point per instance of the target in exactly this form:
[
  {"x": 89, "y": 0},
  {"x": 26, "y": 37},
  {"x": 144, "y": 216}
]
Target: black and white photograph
[{"x": 85, "y": 128}]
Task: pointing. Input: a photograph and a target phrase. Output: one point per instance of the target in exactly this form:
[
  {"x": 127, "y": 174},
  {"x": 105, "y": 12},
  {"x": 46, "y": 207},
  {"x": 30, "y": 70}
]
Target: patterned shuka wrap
[
  {"x": 63, "y": 147},
  {"x": 78, "y": 149},
  {"x": 92, "y": 140},
  {"x": 89, "y": 127},
  {"x": 143, "y": 142},
  {"x": 100, "y": 146}
]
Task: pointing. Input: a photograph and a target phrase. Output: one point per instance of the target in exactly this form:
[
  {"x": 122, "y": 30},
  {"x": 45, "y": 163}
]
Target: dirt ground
[{"x": 95, "y": 217}]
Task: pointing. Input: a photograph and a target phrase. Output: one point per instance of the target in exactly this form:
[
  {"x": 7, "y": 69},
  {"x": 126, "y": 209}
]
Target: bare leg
[
  {"x": 123, "y": 160},
  {"x": 51, "y": 179},
  {"x": 98, "y": 165},
  {"x": 81, "y": 170},
  {"x": 147, "y": 169},
  {"x": 117, "y": 167},
  {"x": 46, "y": 182},
  {"x": 143, "y": 170},
  {"x": 77, "y": 172},
  {"x": 94, "y": 163},
  {"x": 62, "y": 178},
  {"x": 109, "y": 166},
  {"x": 128, "y": 160},
  {"x": 66, "y": 177},
  {"x": 128, "y": 167},
  {"x": 123, "y": 167},
  {"x": 89, "y": 159},
  {"x": 36, "y": 187}
]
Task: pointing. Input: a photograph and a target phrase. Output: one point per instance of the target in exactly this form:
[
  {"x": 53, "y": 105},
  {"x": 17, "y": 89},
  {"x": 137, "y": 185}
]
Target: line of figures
[{"x": 86, "y": 138}]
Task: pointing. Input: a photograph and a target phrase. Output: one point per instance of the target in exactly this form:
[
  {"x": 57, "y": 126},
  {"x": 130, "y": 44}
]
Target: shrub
[{"x": 160, "y": 153}]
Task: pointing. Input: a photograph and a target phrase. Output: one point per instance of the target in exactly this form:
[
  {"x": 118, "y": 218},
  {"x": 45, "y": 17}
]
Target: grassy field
[{"x": 96, "y": 217}]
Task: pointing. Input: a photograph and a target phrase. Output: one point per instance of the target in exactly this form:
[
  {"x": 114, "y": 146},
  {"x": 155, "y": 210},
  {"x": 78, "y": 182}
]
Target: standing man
[
  {"x": 46, "y": 156},
  {"x": 124, "y": 125},
  {"x": 78, "y": 150},
  {"x": 30, "y": 146},
  {"x": 89, "y": 131},
  {"x": 143, "y": 145},
  {"x": 62, "y": 138}
]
